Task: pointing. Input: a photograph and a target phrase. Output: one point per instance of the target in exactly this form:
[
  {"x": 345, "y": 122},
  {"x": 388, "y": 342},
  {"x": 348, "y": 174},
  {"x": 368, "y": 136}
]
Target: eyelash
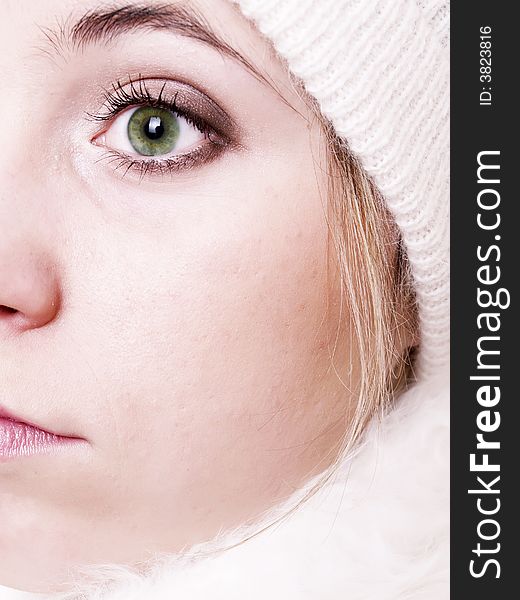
[{"x": 134, "y": 94}]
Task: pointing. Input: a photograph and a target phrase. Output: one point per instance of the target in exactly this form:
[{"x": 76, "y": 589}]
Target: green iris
[{"x": 153, "y": 131}]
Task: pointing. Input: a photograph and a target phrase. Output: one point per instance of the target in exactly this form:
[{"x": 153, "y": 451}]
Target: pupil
[{"x": 154, "y": 129}]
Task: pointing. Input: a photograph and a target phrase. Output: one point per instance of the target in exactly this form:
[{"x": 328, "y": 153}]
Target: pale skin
[{"x": 180, "y": 324}]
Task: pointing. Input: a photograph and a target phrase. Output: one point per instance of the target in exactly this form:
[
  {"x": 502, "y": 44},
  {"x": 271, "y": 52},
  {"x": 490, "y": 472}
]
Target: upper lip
[{"x": 5, "y": 414}]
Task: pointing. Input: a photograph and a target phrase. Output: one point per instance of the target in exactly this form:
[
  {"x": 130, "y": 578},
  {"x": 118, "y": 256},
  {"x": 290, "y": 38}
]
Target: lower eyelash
[
  {"x": 119, "y": 99},
  {"x": 168, "y": 166}
]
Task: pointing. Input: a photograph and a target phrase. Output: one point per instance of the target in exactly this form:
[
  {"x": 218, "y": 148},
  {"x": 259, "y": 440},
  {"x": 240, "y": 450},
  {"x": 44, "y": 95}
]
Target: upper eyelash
[
  {"x": 135, "y": 93},
  {"x": 119, "y": 98}
]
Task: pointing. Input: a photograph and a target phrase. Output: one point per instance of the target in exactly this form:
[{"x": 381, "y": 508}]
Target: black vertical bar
[{"x": 484, "y": 119}]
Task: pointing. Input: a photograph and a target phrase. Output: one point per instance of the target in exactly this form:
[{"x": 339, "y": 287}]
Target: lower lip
[{"x": 19, "y": 439}]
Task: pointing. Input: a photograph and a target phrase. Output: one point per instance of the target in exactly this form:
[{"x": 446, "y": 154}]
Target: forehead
[
  {"x": 30, "y": 23},
  {"x": 30, "y": 30},
  {"x": 48, "y": 12}
]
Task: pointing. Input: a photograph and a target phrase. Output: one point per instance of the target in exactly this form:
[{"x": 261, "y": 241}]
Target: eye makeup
[{"x": 183, "y": 100}]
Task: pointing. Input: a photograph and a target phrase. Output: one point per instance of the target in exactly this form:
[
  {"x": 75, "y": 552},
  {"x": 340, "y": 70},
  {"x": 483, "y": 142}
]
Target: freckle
[{"x": 301, "y": 307}]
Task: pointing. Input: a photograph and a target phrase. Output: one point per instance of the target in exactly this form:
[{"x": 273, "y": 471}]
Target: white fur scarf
[{"x": 378, "y": 531}]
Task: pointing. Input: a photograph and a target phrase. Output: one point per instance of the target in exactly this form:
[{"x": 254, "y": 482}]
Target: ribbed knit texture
[{"x": 380, "y": 72}]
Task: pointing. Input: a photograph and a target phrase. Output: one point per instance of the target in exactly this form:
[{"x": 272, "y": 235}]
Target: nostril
[{"x": 7, "y": 310}]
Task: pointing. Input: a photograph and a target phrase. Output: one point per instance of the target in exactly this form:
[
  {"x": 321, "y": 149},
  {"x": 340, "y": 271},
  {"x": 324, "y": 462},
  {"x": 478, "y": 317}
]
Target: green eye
[{"x": 153, "y": 131}]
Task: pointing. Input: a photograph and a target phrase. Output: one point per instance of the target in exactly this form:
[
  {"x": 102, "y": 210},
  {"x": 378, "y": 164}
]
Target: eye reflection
[
  {"x": 157, "y": 127},
  {"x": 153, "y": 131}
]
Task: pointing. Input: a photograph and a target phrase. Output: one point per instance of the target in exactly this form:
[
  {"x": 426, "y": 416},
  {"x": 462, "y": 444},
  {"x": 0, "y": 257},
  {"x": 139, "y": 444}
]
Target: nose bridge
[
  {"x": 29, "y": 278},
  {"x": 22, "y": 136},
  {"x": 24, "y": 71},
  {"x": 23, "y": 212},
  {"x": 16, "y": 45},
  {"x": 29, "y": 289},
  {"x": 18, "y": 141}
]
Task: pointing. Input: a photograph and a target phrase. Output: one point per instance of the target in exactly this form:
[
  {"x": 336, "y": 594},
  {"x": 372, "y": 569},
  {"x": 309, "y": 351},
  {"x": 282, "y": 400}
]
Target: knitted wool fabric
[{"x": 380, "y": 72}]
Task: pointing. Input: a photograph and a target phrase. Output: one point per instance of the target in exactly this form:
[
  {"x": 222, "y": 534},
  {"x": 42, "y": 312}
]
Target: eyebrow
[{"x": 104, "y": 26}]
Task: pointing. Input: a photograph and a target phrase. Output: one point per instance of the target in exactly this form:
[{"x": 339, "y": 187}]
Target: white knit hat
[{"x": 380, "y": 72}]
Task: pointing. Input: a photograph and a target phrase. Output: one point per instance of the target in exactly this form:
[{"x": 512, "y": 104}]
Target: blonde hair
[
  {"x": 376, "y": 286},
  {"x": 378, "y": 296}
]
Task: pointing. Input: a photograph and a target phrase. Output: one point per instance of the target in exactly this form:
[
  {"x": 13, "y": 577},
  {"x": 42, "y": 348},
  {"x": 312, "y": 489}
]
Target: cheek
[
  {"x": 226, "y": 399},
  {"x": 244, "y": 312}
]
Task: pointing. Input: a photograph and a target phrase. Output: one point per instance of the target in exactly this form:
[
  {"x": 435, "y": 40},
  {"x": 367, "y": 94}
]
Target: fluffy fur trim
[{"x": 377, "y": 531}]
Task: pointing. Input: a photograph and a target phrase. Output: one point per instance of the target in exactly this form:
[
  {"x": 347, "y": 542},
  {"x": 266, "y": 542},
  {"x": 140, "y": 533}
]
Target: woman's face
[{"x": 164, "y": 289}]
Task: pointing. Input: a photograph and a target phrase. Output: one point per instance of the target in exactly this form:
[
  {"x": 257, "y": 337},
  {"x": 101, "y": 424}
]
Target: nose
[
  {"x": 29, "y": 290},
  {"x": 29, "y": 260}
]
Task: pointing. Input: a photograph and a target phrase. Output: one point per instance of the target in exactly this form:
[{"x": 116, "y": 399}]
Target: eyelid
[
  {"x": 191, "y": 102},
  {"x": 182, "y": 99}
]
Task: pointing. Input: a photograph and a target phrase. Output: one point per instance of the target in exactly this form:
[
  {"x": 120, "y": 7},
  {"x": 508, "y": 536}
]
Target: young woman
[{"x": 224, "y": 299}]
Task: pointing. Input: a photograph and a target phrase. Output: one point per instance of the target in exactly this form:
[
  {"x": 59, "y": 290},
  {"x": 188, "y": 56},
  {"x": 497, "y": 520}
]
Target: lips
[
  {"x": 19, "y": 438},
  {"x": 8, "y": 416}
]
